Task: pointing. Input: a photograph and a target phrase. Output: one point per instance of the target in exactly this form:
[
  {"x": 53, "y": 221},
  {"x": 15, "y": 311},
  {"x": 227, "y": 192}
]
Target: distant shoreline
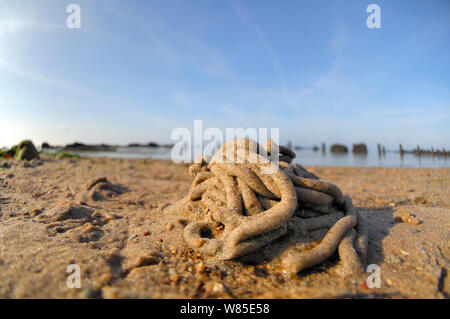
[{"x": 341, "y": 156}]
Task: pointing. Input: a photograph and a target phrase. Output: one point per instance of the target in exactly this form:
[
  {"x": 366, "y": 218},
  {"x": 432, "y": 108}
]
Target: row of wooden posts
[{"x": 417, "y": 151}]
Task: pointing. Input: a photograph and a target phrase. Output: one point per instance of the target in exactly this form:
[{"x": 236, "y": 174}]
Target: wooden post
[
  {"x": 323, "y": 148},
  {"x": 401, "y": 150},
  {"x": 379, "y": 149},
  {"x": 432, "y": 152},
  {"x": 384, "y": 151}
]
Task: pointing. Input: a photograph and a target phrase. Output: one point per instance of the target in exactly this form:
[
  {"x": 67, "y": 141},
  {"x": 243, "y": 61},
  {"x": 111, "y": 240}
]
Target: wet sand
[{"x": 108, "y": 216}]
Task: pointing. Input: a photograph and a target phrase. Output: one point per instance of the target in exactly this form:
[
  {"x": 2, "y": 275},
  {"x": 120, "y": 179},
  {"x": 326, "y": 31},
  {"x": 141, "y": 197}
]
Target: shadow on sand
[{"x": 377, "y": 221}]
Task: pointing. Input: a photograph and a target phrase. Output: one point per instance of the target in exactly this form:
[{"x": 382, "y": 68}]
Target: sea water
[{"x": 306, "y": 157}]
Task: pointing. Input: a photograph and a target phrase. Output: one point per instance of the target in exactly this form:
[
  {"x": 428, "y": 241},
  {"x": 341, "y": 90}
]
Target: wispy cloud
[
  {"x": 42, "y": 79},
  {"x": 15, "y": 27}
]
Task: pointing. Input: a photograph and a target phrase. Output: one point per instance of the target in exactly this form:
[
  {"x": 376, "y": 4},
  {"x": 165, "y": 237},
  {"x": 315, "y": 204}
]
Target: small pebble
[
  {"x": 402, "y": 215},
  {"x": 219, "y": 288},
  {"x": 175, "y": 278},
  {"x": 200, "y": 267},
  {"x": 199, "y": 242},
  {"x": 132, "y": 237}
]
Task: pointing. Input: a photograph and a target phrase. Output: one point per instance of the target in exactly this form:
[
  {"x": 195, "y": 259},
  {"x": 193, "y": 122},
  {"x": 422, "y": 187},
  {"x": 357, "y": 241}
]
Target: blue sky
[{"x": 138, "y": 69}]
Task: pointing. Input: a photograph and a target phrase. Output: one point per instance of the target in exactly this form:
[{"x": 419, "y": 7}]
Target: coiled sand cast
[{"x": 250, "y": 202}]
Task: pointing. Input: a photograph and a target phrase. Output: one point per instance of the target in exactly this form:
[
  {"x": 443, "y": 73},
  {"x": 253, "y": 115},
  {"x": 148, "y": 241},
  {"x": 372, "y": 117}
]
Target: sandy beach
[{"x": 52, "y": 214}]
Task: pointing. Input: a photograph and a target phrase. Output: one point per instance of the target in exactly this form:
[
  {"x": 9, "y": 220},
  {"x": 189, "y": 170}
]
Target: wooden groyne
[{"x": 418, "y": 151}]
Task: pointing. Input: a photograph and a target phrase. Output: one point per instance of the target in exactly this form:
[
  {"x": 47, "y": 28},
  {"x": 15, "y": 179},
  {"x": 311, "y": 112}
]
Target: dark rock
[
  {"x": 76, "y": 145},
  {"x": 338, "y": 148},
  {"x": 26, "y": 151},
  {"x": 153, "y": 144},
  {"x": 359, "y": 148},
  {"x": 9, "y": 153},
  {"x": 84, "y": 147}
]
